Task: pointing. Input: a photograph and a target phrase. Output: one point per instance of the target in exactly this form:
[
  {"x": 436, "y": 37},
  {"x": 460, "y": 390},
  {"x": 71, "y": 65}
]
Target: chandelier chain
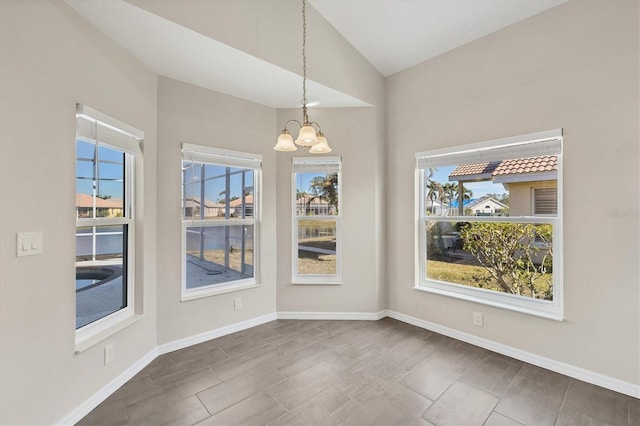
[{"x": 304, "y": 54}]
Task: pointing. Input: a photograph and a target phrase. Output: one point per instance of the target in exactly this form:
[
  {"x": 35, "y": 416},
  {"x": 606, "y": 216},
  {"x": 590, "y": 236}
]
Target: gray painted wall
[{"x": 575, "y": 67}]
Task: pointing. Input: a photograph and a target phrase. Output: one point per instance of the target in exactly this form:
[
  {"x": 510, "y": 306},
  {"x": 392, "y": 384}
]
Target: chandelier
[{"x": 316, "y": 143}]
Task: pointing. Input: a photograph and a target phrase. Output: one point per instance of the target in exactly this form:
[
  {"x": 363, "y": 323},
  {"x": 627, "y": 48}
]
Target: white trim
[
  {"x": 215, "y": 333},
  {"x": 97, "y": 398},
  {"x": 359, "y": 316},
  {"x": 106, "y": 391},
  {"x": 219, "y": 156},
  {"x": 113, "y": 324},
  {"x": 88, "y": 113},
  {"x": 220, "y": 288},
  {"x": 96, "y": 331},
  {"x": 444, "y": 156},
  {"x": 535, "y": 307},
  {"x": 585, "y": 375},
  {"x": 324, "y": 165},
  {"x": 513, "y": 146}
]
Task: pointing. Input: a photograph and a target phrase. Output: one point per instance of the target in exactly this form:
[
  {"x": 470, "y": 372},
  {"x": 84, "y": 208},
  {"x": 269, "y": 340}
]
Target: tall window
[
  {"x": 220, "y": 211},
  {"x": 316, "y": 223},
  {"x": 489, "y": 227},
  {"x": 105, "y": 152}
]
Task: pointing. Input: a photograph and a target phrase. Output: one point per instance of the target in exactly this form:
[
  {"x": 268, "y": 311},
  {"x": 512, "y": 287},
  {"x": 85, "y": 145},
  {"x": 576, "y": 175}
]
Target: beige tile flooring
[{"x": 291, "y": 372}]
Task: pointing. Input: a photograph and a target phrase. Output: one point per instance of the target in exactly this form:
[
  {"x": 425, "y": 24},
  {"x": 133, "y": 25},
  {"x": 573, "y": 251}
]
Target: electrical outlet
[
  {"x": 477, "y": 319},
  {"x": 237, "y": 303},
  {"x": 109, "y": 353}
]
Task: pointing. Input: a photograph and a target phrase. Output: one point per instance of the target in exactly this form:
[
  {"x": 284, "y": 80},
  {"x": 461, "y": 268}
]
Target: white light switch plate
[{"x": 28, "y": 243}]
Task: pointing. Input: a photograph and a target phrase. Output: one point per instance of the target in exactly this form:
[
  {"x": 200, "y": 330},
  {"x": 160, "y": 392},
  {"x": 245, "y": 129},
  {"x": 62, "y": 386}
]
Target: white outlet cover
[
  {"x": 477, "y": 319},
  {"x": 109, "y": 353}
]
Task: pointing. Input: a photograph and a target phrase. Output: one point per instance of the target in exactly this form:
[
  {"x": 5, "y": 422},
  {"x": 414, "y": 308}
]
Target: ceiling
[
  {"x": 396, "y": 34},
  {"x": 392, "y": 34}
]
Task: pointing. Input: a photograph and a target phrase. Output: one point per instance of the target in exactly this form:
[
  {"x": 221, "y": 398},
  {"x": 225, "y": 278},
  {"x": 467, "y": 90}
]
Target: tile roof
[
  {"x": 86, "y": 201},
  {"x": 508, "y": 167},
  {"x": 475, "y": 169},
  {"x": 237, "y": 202},
  {"x": 527, "y": 165}
]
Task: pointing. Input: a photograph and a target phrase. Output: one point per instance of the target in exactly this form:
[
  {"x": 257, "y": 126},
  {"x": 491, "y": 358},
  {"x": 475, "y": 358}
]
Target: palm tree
[
  {"x": 435, "y": 191},
  {"x": 468, "y": 194},
  {"x": 326, "y": 187}
]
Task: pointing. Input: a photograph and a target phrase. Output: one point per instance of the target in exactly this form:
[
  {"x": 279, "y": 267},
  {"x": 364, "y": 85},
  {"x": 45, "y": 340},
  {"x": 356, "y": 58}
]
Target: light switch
[
  {"x": 36, "y": 241},
  {"x": 28, "y": 243}
]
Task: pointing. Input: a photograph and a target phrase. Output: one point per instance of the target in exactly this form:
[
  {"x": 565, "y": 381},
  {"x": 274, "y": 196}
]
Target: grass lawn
[
  {"x": 311, "y": 263},
  {"x": 473, "y": 276}
]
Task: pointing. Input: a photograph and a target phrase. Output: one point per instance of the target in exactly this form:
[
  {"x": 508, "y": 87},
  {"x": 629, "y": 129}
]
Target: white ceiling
[
  {"x": 396, "y": 34},
  {"x": 392, "y": 34}
]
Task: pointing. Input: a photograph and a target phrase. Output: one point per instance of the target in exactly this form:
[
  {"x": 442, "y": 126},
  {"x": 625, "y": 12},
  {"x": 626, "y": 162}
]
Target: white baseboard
[
  {"x": 360, "y": 316},
  {"x": 213, "y": 334},
  {"x": 97, "y": 398},
  {"x": 550, "y": 364}
]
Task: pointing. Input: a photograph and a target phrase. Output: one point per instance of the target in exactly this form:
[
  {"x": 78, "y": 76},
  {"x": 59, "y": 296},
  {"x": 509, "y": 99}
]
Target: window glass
[{"x": 317, "y": 247}]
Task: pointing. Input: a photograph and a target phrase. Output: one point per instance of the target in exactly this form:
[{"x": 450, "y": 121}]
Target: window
[
  {"x": 105, "y": 154},
  {"x": 220, "y": 212},
  {"x": 316, "y": 220},
  {"x": 489, "y": 223}
]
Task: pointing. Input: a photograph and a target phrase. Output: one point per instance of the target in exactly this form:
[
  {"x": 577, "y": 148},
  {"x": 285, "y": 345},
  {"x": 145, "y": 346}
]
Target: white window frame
[
  {"x": 528, "y": 145},
  {"x": 96, "y": 127},
  {"x": 224, "y": 157},
  {"x": 318, "y": 164}
]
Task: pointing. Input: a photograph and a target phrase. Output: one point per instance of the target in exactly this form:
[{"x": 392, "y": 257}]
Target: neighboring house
[
  {"x": 436, "y": 207},
  {"x": 111, "y": 207},
  {"x": 192, "y": 207},
  {"x": 531, "y": 182},
  {"x": 237, "y": 207},
  {"x": 309, "y": 205},
  {"x": 483, "y": 206}
]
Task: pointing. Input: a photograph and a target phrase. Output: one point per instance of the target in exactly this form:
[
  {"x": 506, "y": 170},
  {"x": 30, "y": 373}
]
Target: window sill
[
  {"x": 217, "y": 289},
  {"x": 316, "y": 282},
  {"x": 498, "y": 301},
  {"x": 87, "y": 342}
]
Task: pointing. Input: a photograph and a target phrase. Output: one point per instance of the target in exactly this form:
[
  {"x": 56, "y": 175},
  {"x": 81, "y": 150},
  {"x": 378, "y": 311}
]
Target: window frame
[
  {"x": 127, "y": 140},
  {"x": 542, "y": 308},
  {"x": 222, "y": 157},
  {"x": 316, "y": 279}
]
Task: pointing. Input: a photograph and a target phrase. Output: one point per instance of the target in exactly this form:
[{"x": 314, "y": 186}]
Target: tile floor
[{"x": 291, "y": 372}]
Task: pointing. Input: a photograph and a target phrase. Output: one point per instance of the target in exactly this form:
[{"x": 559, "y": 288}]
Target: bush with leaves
[{"x": 511, "y": 255}]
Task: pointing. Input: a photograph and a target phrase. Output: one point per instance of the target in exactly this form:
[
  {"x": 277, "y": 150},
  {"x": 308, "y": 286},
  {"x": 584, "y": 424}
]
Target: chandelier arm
[
  {"x": 313, "y": 123},
  {"x": 292, "y": 121}
]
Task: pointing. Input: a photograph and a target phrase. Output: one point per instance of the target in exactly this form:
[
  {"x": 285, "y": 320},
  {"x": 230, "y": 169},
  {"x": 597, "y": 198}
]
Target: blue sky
[
  {"x": 111, "y": 175},
  {"x": 303, "y": 180},
  {"x": 479, "y": 189}
]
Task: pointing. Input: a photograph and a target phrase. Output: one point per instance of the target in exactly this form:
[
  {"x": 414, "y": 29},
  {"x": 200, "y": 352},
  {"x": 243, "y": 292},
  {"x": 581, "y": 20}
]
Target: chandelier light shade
[
  {"x": 322, "y": 147},
  {"x": 285, "y": 142},
  {"x": 310, "y": 136}
]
